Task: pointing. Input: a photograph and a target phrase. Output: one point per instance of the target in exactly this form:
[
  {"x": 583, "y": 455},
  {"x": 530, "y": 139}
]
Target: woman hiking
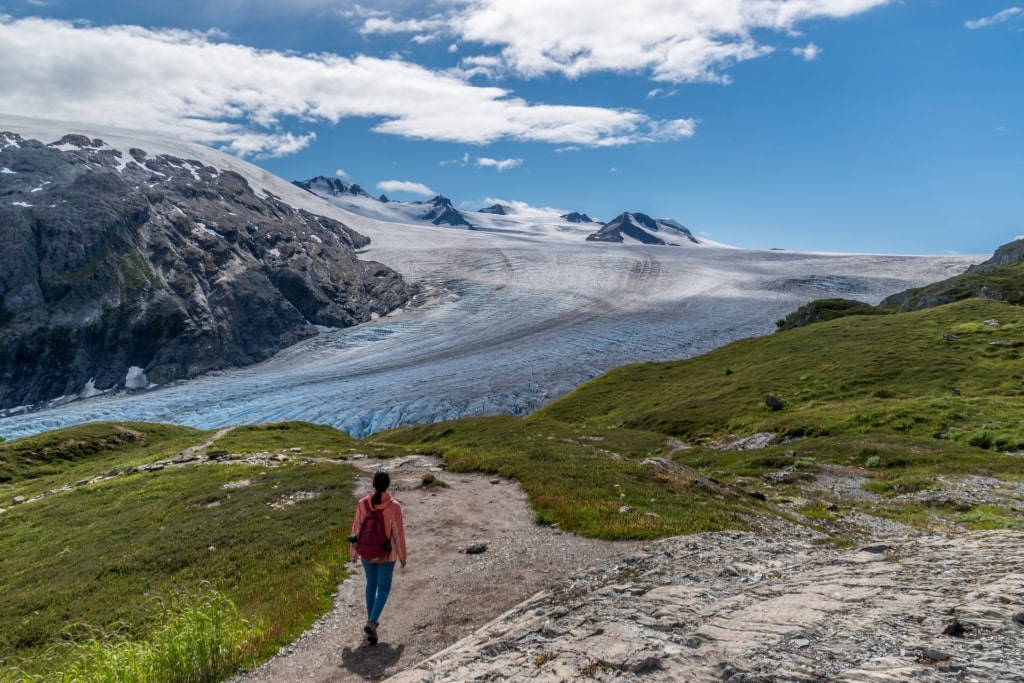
[{"x": 378, "y": 539}]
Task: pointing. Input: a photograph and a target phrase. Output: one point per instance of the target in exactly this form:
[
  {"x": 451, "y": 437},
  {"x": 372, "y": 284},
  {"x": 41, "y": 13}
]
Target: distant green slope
[
  {"x": 1000, "y": 278},
  {"x": 923, "y": 373}
]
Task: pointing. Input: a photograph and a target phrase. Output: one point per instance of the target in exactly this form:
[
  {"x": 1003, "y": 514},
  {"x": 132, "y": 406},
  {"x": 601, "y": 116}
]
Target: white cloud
[
  {"x": 522, "y": 208},
  {"x": 998, "y": 18},
  {"x": 809, "y": 53},
  {"x": 459, "y": 162},
  {"x": 661, "y": 93},
  {"x": 681, "y": 41},
  {"x": 192, "y": 85},
  {"x": 341, "y": 173},
  {"x": 428, "y": 30},
  {"x": 674, "y": 41},
  {"x": 405, "y": 186},
  {"x": 388, "y": 25},
  {"x": 500, "y": 164}
]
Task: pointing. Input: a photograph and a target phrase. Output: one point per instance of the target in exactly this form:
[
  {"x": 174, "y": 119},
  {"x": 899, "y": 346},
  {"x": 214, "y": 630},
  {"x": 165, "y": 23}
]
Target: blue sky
[{"x": 840, "y": 125}]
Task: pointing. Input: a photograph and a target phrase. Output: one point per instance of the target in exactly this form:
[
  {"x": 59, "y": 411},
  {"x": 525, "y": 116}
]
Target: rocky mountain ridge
[
  {"x": 642, "y": 228},
  {"x": 632, "y": 227},
  {"x": 124, "y": 269}
]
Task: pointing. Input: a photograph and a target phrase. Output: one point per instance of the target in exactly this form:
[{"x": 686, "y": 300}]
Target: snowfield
[{"x": 513, "y": 314}]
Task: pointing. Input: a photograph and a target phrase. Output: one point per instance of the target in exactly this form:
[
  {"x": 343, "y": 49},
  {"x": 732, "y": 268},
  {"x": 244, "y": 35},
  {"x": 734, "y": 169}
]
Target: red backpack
[{"x": 372, "y": 542}]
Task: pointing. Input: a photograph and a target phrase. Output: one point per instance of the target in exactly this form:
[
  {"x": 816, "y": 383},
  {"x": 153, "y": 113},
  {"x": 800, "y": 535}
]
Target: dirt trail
[{"x": 443, "y": 594}]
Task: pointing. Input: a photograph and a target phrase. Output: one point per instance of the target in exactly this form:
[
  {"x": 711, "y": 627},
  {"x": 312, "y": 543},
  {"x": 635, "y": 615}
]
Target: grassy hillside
[
  {"x": 261, "y": 529},
  {"x": 942, "y": 372},
  {"x": 593, "y": 482}
]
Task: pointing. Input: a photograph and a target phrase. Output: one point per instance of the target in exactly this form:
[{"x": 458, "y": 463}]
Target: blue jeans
[{"x": 378, "y": 586}]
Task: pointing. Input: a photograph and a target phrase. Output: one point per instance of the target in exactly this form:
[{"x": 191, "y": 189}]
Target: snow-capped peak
[{"x": 639, "y": 227}]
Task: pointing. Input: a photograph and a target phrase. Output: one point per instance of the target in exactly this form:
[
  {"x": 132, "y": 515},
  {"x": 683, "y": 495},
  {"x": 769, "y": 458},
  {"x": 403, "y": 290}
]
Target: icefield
[{"x": 512, "y": 315}]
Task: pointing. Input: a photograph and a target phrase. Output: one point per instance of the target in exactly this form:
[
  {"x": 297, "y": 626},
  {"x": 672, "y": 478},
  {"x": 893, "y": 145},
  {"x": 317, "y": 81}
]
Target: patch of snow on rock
[{"x": 136, "y": 378}]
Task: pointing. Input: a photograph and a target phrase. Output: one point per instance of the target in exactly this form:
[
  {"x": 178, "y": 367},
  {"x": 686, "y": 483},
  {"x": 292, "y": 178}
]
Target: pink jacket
[{"x": 391, "y": 510}]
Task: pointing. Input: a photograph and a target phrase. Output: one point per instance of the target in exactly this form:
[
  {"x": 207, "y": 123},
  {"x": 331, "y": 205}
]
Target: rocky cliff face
[{"x": 123, "y": 268}]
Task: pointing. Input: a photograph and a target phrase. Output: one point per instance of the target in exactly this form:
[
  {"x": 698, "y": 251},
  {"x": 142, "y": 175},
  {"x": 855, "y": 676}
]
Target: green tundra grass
[{"x": 93, "y": 559}]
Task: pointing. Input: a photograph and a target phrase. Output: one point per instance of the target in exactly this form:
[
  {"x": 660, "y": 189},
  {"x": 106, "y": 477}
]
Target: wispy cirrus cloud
[
  {"x": 388, "y": 25},
  {"x": 660, "y": 93},
  {"x": 809, "y": 53},
  {"x": 456, "y": 162},
  {"x": 254, "y": 102},
  {"x": 998, "y": 18},
  {"x": 500, "y": 164},
  {"x": 690, "y": 41},
  {"x": 405, "y": 186}
]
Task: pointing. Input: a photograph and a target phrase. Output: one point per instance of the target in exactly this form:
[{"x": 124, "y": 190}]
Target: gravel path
[{"x": 443, "y": 594}]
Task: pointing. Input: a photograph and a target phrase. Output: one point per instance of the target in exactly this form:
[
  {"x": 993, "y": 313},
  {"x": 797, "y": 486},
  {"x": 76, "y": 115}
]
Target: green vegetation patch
[
  {"x": 879, "y": 458},
  {"x": 193, "y": 637},
  {"x": 990, "y": 517},
  {"x": 857, "y": 374},
  {"x": 269, "y": 538},
  {"x": 594, "y": 483},
  {"x": 307, "y": 438},
  {"x": 822, "y": 310},
  {"x": 894, "y": 467},
  {"x": 299, "y": 437},
  {"x": 96, "y": 444}
]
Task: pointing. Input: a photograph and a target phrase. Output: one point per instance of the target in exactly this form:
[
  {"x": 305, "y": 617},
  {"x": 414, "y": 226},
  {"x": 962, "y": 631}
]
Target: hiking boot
[{"x": 371, "y": 632}]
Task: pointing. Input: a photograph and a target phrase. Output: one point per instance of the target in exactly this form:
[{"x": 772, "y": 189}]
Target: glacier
[{"x": 512, "y": 315}]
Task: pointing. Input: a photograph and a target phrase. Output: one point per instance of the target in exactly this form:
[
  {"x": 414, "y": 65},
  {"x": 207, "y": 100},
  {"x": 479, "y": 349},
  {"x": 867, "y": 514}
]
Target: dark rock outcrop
[
  {"x": 497, "y": 209},
  {"x": 127, "y": 269},
  {"x": 576, "y": 217},
  {"x": 441, "y": 212},
  {"x": 332, "y": 186}
]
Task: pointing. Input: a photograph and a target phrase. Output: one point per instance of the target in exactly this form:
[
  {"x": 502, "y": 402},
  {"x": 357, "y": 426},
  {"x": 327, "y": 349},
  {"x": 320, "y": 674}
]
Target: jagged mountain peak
[
  {"x": 639, "y": 227},
  {"x": 438, "y": 200},
  {"x": 577, "y": 217},
  {"x": 332, "y": 186},
  {"x": 443, "y": 213}
]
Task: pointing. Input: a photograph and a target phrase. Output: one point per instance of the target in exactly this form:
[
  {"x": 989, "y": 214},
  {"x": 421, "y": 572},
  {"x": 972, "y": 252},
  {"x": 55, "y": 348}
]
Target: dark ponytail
[{"x": 381, "y": 482}]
